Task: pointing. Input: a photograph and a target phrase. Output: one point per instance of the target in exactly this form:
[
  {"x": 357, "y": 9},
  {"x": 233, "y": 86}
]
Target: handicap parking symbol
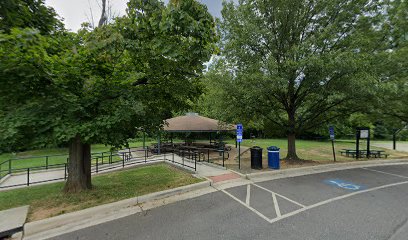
[{"x": 344, "y": 184}]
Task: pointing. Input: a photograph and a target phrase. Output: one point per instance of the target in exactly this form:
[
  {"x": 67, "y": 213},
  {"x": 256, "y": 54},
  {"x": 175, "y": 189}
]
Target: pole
[
  {"x": 368, "y": 144},
  {"x": 144, "y": 140},
  {"x": 358, "y": 144},
  {"x": 223, "y": 158},
  {"x": 158, "y": 144},
  {"x": 123, "y": 159},
  {"x": 334, "y": 152},
  {"x": 28, "y": 176},
  {"x": 394, "y": 140},
  {"x": 239, "y": 155}
]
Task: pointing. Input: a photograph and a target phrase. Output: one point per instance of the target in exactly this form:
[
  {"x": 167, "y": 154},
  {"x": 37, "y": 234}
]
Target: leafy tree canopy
[
  {"x": 298, "y": 64},
  {"x": 102, "y": 86},
  {"x": 28, "y": 14}
]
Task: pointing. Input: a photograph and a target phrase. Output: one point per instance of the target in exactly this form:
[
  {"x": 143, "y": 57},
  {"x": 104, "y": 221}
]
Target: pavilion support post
[{"x": 220, "y": 138}]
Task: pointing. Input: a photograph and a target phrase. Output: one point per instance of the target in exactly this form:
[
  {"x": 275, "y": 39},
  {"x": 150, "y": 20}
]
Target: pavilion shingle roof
[{"x": 193, "y": 122}]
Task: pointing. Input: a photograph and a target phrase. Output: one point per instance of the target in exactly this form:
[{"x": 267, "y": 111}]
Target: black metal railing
[{"x": 100, "y": 162}]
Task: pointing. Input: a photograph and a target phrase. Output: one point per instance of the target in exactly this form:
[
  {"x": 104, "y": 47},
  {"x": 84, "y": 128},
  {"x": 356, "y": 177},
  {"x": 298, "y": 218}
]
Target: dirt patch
[
  {"x": 46, "y": 212},
  {"x": 298, "y": 163}
]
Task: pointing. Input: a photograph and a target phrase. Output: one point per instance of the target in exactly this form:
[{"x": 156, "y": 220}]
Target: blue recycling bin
[{"x": 273, "y": 157}]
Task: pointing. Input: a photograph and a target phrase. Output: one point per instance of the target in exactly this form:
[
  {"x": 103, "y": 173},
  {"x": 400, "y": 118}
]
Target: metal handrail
[{"x": 126, "y": 158}]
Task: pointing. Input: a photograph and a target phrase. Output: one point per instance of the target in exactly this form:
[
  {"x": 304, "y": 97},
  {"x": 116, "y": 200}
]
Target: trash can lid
[
  {"x": 273, "y": 148},
  {"x": 256, "y": 147}
]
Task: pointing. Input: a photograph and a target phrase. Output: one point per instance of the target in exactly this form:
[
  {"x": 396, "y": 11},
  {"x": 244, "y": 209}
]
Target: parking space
[
  {"x": 396, "y": 170},
  {"x": 310, "y": 189},
  {"x": 277, "y": 199},
  {"x": 362, "y": 203},
  {"x": 212, "y": 216}
]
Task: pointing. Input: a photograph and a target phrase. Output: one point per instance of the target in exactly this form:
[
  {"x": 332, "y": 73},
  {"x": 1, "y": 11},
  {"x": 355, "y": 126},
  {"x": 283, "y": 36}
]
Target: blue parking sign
[
  {"x": 331, "y": 132},
  {"x": 240, "y": 130}
]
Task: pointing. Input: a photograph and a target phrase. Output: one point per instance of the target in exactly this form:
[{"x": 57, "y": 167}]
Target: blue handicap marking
[{"x": 344, "y": 184}]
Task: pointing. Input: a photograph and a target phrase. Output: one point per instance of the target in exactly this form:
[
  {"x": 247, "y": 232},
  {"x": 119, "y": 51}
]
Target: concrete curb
[
  {"x": 238, "y": 173},
  {"x": 293, "y": 172},
  {"x": 58, "y": 225}
]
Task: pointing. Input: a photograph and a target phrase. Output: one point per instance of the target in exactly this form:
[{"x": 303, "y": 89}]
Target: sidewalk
[
  {"x": 204, "y": 170},
  {"x": 401, "y": 146}
]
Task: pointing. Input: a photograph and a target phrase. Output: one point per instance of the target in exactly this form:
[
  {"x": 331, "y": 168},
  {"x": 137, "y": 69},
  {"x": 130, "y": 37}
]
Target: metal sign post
[
  {"x": 240, "y": 130},
  {"x": 331, "y": 132},
  {"x": 362, "y": 133}
]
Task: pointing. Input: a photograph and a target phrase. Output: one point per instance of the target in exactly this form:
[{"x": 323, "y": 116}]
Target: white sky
[{"x": 75, "y": 12}]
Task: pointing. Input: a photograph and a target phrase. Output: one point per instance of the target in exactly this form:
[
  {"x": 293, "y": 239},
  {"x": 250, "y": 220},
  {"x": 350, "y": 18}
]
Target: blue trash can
[{"x": 273, "y": 157}]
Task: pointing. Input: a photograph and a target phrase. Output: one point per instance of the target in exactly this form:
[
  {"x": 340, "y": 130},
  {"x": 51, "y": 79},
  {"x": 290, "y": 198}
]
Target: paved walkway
[
  {"x": 57, "y": 175},
  {"x": 401, "y": 146}
]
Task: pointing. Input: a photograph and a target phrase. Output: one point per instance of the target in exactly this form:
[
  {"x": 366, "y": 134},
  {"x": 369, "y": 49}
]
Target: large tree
[
  {"x": 101, "y": 86},
  {"x": 393, "y": 64},
  {"x": 298, "y": 63}
]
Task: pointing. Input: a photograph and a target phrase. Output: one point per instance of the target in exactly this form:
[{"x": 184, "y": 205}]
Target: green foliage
[
  {"x": 296, "y": 73},
  {"x": 392, "y": 66},
  {"x": 28, "y": 14},
  {"x": 106, "y": 84}
]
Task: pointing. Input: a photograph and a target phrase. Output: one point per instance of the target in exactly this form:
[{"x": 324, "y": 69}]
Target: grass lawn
[
  {"x": 48, "y": 200},
  {"x": 320, "y": 151},
  {"x": 37, "y": 158}
]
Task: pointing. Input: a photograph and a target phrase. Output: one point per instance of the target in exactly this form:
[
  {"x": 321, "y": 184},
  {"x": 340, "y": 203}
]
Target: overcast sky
[{"x": 75, "y": 12}]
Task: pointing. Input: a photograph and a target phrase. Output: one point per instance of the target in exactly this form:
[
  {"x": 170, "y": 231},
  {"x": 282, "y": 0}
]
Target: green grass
[
  {"x": 36, "y": 158},
  {"x": 320, "y": 151},
  {"x": 49, "y": 200}
]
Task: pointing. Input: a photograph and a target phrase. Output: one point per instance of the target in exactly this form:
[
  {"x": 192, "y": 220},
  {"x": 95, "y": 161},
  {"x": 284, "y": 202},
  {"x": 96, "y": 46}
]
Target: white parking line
[
  {"x": 392, "y": 174},
  {"x": 334, "y": 199},
  {"x": 275, "y": 203},
  {"x": 248, "y": 196},
  {"x": 290, "y": 200},
  {"x": 247, "y": 206}
]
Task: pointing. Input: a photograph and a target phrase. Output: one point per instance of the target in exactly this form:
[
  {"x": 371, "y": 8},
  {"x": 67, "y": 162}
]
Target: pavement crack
[{"x": 144, "y": 212}]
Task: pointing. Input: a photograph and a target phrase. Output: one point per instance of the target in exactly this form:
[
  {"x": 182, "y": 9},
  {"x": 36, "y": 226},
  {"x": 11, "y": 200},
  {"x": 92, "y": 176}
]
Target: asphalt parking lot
[{"x": 362, "y": 203}]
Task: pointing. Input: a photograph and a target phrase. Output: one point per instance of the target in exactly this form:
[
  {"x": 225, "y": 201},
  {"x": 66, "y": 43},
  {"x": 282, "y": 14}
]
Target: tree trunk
[
  {"x": 79, "y": 166},
  {"x": 292, "y": 156},
  {"x": 104, "y": 18}
]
